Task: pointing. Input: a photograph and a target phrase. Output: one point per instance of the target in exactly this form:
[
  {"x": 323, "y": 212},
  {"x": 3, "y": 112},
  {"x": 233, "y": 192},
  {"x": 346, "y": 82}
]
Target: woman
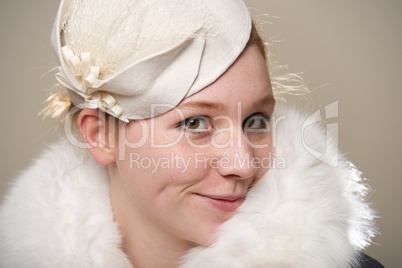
[{"x": 181, "y": 159}]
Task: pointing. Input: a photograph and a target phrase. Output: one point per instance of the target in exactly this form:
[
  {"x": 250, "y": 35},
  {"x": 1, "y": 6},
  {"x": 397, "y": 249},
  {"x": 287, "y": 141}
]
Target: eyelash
[
  {"x": 184, "y": 124},
  {"x": 265, "y": 121}
]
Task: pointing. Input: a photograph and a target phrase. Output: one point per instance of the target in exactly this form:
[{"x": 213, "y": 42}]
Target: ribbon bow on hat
[{"x": 88, "y": 76}]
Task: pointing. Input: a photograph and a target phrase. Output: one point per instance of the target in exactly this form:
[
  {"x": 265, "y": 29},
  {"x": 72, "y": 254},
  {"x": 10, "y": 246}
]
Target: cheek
[
  {"x": 264, "y": 155},
  {"x": 159, "y": 169}
]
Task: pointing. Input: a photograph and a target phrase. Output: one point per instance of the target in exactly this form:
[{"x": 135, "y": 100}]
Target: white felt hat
[{"x": 167, "y": 73}]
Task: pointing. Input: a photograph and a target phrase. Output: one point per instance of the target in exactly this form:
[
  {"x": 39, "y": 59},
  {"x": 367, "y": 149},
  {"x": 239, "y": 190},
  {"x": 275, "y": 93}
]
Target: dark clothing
[{"x": 368, "y": 262}]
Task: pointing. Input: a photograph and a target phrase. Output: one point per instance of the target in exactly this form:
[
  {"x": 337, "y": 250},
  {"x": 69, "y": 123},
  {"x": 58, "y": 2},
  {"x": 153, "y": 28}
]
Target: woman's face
[{"x": 188, "y": 170}]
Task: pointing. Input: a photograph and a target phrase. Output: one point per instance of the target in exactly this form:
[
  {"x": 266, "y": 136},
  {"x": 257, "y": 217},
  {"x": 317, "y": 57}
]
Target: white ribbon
[
  {"x": 105, "y": 102},
  {"x": 87, "y": 75}
]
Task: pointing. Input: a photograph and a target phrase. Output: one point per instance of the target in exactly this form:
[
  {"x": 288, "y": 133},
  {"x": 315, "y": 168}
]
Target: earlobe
[{"x": 95, "y": 132}]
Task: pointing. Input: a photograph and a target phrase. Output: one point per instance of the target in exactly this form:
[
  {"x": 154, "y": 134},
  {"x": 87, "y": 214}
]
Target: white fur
[
  {"x": 308, "y": 214},
  {"x": 58, "y": 214}
]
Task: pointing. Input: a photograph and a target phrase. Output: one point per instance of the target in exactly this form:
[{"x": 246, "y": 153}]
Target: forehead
[{"x": 247, "y": 81}]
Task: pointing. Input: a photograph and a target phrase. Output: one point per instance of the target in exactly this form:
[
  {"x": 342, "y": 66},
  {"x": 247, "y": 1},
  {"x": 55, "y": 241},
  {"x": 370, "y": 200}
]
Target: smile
[{"x": 223, "y": 203}]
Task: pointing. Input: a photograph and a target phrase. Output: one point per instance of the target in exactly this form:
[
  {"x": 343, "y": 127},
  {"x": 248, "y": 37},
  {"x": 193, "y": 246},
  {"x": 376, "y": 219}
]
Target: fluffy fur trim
[
  {"x": 58, "y": 214},
  {"x": 302, "y": 213}
]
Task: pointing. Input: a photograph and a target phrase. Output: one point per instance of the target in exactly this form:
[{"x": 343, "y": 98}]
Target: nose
[{"x": 236, "y": 159}]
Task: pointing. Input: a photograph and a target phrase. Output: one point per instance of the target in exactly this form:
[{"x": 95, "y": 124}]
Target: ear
[{"x": 94, "y": 129}]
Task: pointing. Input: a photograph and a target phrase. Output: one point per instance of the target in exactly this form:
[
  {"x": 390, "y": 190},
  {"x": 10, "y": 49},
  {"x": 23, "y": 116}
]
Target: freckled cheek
[
  {"x": 261, "y": 142},
  {"x": 264, "y": 156},
  {"x": 168, "y": 140},
  {"x": 179, "y": 165}
]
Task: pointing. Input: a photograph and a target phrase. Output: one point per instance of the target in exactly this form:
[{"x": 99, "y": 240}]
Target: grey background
[{"x": 349, "y": 51}]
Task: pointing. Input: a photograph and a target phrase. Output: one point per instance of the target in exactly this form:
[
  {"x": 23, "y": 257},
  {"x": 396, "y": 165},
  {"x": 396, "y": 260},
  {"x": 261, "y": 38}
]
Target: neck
[{"x": 145, "y": 242}]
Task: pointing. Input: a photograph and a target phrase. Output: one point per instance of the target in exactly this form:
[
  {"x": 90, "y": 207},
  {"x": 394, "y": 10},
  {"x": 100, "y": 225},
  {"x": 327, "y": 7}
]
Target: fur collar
[{"x": 303, "y": 212}]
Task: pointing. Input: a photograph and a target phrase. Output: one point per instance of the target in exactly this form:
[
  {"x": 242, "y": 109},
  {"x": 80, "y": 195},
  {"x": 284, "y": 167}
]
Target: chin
[{"x": 206, "y": 235}]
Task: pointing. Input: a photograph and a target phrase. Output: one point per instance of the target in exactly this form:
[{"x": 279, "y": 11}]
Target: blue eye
[
  {"x": 256, "y": 122},
  {"x": 196, "y": 124}
]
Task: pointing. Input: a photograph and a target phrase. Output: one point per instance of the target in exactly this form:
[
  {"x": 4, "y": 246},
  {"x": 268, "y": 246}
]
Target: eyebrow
[
  {"x": 204, "y": 104},
  {"x": 267, "y": 100}
]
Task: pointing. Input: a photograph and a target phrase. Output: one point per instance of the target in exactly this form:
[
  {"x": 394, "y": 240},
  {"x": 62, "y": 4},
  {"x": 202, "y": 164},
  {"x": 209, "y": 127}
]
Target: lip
[{"x": 227, "y": 204}]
